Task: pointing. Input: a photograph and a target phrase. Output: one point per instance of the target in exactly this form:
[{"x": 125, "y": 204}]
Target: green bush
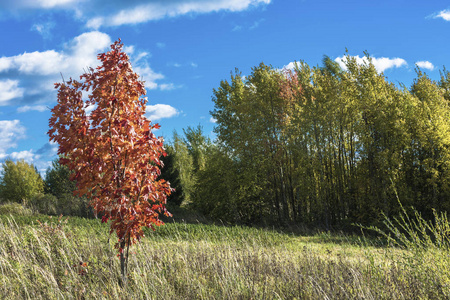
[
  {"x": 12, "y": 208},
  {"x": 70, "y": 205},
  {"x": 45, "y": 204}
]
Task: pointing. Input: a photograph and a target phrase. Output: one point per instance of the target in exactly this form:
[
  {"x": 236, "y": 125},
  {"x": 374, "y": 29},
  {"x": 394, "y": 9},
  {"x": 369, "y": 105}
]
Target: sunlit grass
[{"x": 75, "y": 259}]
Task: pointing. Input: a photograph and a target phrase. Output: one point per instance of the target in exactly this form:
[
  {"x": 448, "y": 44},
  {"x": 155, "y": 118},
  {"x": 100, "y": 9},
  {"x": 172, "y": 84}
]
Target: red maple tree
[{"x": 113, "y": 153}]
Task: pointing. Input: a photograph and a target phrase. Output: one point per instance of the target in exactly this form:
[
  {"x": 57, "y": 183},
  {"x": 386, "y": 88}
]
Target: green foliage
[
  {"x": 14, "y": 208},
  {"x": 45, "y": 204},
  {"x": 61, "y": 198},
  {"x": 57, "y": 180},
  {"x": 19, "y": 181},
  {"x": 327, "y": 146},
  {"x": 171, "y": 173},
  {"x": 186, "y": 157},
  {"x": 215, "y": 190},
  {"x": 196, "y": 144}
]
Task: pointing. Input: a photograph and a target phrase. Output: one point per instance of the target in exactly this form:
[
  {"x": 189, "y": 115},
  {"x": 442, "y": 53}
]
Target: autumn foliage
[{"x": 113, "y": 153}]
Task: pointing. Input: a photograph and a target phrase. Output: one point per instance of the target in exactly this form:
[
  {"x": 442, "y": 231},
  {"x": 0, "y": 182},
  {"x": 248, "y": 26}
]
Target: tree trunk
[{"x": 124, "y": 261}]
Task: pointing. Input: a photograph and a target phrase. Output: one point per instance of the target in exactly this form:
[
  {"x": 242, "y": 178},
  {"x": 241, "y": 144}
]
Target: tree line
[
  {"x": 318, "y": 145},
  {"x": 21, "y": 182}
]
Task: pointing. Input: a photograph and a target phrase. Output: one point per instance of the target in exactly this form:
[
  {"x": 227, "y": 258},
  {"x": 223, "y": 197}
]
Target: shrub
[
  {"x": 45, "y": 204},
  {"x": 12, "y": 208}
]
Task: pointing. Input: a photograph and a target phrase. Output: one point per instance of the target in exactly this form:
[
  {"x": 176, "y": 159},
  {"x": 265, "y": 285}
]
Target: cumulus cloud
[
  {"x": 444, "y": 14},
  {"x": 29, "y": 77},
  {"x": 380, "y": 63},
  {"x": 11, "y": 131},
  {"x": 425, "y": 65},
  {"x": 26, "y": 155},
  {"x": 160, "y": 111},
  {"x": 9, "y": 90}
]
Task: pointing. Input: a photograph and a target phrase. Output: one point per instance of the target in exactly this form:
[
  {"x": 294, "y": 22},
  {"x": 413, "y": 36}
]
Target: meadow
[{"x": 44, "y": 257}]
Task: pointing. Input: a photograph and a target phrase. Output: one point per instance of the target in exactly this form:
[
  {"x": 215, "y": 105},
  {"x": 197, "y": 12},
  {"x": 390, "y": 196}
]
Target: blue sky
[{"x": 184, "y": 48}]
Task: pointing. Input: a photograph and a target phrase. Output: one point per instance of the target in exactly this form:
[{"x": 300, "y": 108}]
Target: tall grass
[
  {"x": 427, "y": 247},
  {"x": 74, "y": 259}
]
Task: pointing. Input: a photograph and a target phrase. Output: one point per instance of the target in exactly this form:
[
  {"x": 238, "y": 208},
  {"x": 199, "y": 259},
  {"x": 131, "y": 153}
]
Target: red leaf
[{"x": 113, "y": 155}]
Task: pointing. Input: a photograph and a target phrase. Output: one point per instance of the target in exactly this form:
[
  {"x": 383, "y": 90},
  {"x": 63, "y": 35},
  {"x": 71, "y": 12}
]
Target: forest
[{"x": 321, "y": 146}]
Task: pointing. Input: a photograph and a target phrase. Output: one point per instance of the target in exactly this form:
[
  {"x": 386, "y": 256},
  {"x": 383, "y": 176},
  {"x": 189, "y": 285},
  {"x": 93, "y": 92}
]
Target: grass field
[{"x": 74, "y": 258}]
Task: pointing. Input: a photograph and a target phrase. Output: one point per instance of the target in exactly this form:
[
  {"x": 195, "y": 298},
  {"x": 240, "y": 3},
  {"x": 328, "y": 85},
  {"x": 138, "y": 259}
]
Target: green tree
[
  {"x": 327, "y": 145},
  {"x": 253, "y": 119},
  {"x": 19, "y": 181},
  {"x": 171, "y": 173},
  {"x": 57, "y": 180},
  {"x": 57, "y": 183},
  {"x": 183, "y": 162}
]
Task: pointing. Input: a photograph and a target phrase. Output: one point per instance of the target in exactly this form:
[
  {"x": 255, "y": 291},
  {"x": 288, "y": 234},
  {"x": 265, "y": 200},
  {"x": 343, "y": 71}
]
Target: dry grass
[{"x": 75, "y": 260}]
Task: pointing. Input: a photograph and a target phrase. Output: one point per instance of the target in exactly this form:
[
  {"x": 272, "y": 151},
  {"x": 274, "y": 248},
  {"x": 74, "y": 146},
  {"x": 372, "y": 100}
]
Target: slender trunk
[{"x": 124, "y": 260}]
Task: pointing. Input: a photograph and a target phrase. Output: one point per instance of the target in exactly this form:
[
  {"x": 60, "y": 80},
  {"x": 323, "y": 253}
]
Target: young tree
[
  {"x": 113, "y": 154},
  {"x": 19, "y": 181}
]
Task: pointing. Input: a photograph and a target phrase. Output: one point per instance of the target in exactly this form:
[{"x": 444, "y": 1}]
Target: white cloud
[
  {"x": 160, "y": 111},
  {"x": 167, "y": 86},
  {"x": 149, "y": 76},
  {"x": 40, "y": 4},
  {"x": 142, "y": 11},
  {"x": 212, "y": 120},
  {"x": 56, "y": 3},
  {"x": 291, "y": 66},
  {"x": 9, "y": 89},
  {"x": 105, "y": 13},
  {"x": 43, "y": 63},
  {"x": 381, "y": 64},
  {"x": 90, "y": 109},
  {"x": 10, "y": 132},
  {"x": 30, "y": 77},
  {"x": 160, "y": 45},
  {"x": 26, "y": 155},
  {"x": 26, "y": 108},
  {"x": 425, "y": 65},
  {"x": 95, "y": 23},
  {"x": 444, "y": 14},
  {"x": 38, "y": 71}
]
